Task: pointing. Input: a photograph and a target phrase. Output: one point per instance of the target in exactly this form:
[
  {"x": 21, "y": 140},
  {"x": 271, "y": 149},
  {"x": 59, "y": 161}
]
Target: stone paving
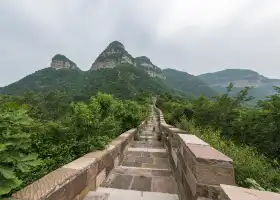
[{"x": 145, "y": 172}]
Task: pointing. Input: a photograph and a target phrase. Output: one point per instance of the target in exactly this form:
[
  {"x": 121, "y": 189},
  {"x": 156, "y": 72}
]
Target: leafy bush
[
  {"x": 58, "y": 134},
  {"x": 14, "y": 145}
]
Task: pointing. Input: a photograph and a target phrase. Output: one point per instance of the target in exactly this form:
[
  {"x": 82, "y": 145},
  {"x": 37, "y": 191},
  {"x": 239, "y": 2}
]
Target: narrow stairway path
[{"x": 145, "y": 172}]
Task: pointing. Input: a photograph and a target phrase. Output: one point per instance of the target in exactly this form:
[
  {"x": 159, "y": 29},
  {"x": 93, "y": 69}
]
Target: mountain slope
[
  {"x": 114, "y": 71},
  {"x": 146, "y": 64},
  {"x": 262, "y": 86},
  {"x": 187, "y": 83},
  {"x": 124, "y": 81},
  {"x": 48, "y": 79}
]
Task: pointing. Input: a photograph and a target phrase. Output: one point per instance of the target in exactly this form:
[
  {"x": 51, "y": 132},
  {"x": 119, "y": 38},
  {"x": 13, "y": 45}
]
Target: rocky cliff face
[
  {"x": 62, "y": 62},
  {"x": 112, "y": 56},
  {"x": 149, "y": 67}
]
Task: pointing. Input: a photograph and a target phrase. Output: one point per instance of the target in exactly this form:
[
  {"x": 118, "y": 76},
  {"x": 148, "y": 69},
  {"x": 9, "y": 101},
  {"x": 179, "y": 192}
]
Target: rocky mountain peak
[
  {"x": 62, "y": 62},
  {"x": 145, "y": 63},
  {"x": 115, "y": 54},
  {"x": 116, "y": 44}
]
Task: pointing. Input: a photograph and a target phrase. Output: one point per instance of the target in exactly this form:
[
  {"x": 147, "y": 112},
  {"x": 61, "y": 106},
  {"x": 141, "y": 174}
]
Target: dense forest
[
  {"x": 124, "y": 81},
  {"x": 249, "y": 135},
  {"x": 42, "y": 131}
]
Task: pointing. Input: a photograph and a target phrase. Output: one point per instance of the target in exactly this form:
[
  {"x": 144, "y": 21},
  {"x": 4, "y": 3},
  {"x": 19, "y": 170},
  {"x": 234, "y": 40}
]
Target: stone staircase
[{"x": 145, "y": 172}]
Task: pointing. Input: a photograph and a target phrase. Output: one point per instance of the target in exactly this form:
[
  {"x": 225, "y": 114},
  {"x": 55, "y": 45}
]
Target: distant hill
[
  {"x": 187, "y": 83},
  {"x": 114, "y": 71},
  {"x": 262, "y": 86}
]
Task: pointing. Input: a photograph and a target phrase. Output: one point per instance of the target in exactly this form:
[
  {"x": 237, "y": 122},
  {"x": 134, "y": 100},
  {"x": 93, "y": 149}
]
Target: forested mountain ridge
[
  {"x": 241, "y": 78},
  {"x": 185, "y": 82},
  {"x": 114, "y": 71},
  {"x": 123, "y": 81}
]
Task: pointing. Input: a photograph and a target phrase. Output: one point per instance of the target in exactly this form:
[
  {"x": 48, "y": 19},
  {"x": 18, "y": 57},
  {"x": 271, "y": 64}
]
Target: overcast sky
[{"x": 196, "y": 36}]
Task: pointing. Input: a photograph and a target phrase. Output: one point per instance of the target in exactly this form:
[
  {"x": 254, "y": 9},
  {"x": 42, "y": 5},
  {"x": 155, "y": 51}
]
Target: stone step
[
  {"x": 150, "y": 137},
  {"x": 142, "y": 172},
  {"x": 163, "y": 184},
  {"x": 119, "y": 194},
  {"x": 142, "y": 159},
  {"x": 94, "y": 195},
  {"x": 143, "y": 149},
  {"x": 148, "y": 144}
]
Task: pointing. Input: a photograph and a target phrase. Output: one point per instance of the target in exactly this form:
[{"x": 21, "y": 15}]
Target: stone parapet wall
[
  {"x": 238, "y": 193},
  {"x": 198, "y": 168},
  {"x": 74, "y": 180},
  {"x": 202, "y": 172}
]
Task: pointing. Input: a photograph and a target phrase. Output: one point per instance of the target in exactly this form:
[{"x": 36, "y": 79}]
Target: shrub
[{"x": 14, "y": 145}]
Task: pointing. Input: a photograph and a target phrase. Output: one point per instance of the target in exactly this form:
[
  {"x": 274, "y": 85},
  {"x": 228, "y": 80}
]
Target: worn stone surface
[
  {"x": 46, "y": 185},
  {"x": 236, "y": 193},
  {"x": 97, "y": 196},
  {"x": 191, "y": 139},
  {"x": 177, "y": 130},
  {"x": 80, "y": 163},
  {"x": 121, "y": 182},
  {"x": 217, "y": 174},
  {"x": 70, "y": 189},
  {"x": 100, "y": 177},
  {"x": 164, "y": 185},
  {"x": 159, "y": 154},
  {"x": 141, "y": 183},
  {"x": 207, "y": 154},
  {"x": 131, "y": 164},
  {"x": 144, "y": 160}
]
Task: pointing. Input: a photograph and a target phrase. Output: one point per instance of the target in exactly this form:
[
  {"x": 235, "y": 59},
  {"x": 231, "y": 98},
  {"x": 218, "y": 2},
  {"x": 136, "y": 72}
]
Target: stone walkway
[{"x": 144, "y": 174}]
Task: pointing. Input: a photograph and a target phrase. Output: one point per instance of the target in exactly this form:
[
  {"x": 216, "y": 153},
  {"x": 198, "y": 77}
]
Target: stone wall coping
[
  {"x": 48, "y": 184},
  {"x": 177, "y": 130},
  {"x": 192, "y": 139},
  {"x": 230, "y": 192},
  {"x": 204, "y": 152}
]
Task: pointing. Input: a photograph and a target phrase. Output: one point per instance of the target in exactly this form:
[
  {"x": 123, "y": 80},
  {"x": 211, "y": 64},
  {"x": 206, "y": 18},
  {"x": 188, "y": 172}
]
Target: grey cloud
[{"x": 82, "y": 29}]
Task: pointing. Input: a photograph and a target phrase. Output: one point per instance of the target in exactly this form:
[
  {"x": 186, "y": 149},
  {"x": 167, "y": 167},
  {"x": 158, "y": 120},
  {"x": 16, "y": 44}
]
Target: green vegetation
[
  {"x": 187, "y": 83},
  {"x": 42, "y": 131},
  {"x": 124, "y": 81},
  {"x": 250, "y": 136},
  {"x": 14, "y": 142}
]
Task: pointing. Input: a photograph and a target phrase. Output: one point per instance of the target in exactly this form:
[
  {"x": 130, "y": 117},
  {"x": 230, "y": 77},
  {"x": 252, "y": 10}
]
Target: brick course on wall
[{"x": 74, "y": 180}]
